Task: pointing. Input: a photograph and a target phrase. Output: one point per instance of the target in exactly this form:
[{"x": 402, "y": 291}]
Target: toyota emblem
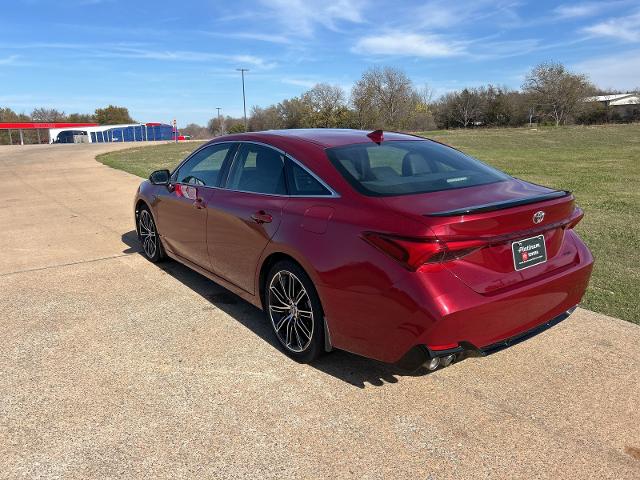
[{"x": 538, "y": 216}]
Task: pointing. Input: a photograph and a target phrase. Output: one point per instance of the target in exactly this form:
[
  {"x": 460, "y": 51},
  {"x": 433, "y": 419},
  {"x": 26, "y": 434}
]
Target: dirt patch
[{"x": 633, "y": 452}]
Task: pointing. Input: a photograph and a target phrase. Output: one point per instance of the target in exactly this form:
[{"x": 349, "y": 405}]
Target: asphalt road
[{"x": 112, "y": 367}]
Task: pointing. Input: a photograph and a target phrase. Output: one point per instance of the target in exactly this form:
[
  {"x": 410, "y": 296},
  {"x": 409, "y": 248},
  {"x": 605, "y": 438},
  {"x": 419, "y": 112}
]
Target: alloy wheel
[
  {"x": 148, "y": 234},
  {"x": 290, "y": 311}
]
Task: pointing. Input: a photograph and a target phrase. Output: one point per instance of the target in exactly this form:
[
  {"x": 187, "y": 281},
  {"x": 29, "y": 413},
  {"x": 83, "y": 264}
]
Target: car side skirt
[{"x": 252, "y": 299}]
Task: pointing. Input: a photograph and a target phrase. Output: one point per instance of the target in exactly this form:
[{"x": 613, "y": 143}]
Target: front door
[
  {"x": 181, "y": 209},
  {"x": 245, "y": 215}
]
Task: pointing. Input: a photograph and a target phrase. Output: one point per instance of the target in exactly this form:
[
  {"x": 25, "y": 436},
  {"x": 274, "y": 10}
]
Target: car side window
[
  {"x": 258, "y": 169},
  {"x": 300, "y": 182},
  {"x": 204, "y": 167}
]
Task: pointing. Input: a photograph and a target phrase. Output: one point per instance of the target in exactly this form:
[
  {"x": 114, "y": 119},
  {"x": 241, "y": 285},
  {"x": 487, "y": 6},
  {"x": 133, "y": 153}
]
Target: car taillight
[
  {"x": 415, "y": 252},
  {"x": 577, "y": 215}
]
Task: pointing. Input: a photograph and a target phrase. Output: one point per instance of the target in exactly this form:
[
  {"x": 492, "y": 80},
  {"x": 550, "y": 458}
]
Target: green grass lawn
[
  {"x": 600, "y": 165},
  {"x": 144, "y": 159}
]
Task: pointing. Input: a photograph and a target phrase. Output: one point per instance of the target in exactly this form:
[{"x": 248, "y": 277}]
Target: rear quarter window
[{"x": 409, "y": 167}]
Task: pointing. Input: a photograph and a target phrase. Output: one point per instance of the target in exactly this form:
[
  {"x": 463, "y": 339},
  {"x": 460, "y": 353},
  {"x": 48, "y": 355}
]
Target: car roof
[{"x": 325, "y": 137}]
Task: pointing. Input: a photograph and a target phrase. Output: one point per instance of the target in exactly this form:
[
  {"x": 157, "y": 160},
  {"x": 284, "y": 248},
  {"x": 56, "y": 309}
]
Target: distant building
[
  {"x": 135, "y": 132},
  {"x": 624, "y": 105}
]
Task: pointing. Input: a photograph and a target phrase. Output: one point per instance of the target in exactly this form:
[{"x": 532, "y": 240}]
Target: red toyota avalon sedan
[{"x": 383, "y": 244}]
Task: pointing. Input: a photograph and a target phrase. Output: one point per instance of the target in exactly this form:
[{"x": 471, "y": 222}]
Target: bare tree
[
  {"x": 383, "y": 98},
  {"x": 81, "y": 118},
  {"x": 196, "y": 131},
  {"x": 217, "y": 126},
  {"x": 420, "y": 116},
  {"x": 295, "y": 113},
  {"x": 556, "y": 91},
  {"x": 47, "y": 115},
  {"x": 364, "y": 106},
  {"x": 264, "y": 118},
  {"x": 326, "y": 103},
  {"x": 463, "y": 108}
]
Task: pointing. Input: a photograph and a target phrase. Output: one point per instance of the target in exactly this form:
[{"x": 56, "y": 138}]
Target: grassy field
[
  {"x": 601, "y": 165},
  {"x": 143, "y": 160}
]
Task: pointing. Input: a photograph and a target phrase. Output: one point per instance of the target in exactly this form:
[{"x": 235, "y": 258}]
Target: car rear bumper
[
  {"x": 509, "y": 342},
  {"x": 420, "y": 354},
  {"x": 435, "y": 311},
  {"x": 485, "y": 324}
]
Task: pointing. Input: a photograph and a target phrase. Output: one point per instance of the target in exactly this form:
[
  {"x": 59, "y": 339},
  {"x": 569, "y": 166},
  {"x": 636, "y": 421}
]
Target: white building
[
  {"x": 130, "y": 132},
  {"x": 627, "y": 105}
]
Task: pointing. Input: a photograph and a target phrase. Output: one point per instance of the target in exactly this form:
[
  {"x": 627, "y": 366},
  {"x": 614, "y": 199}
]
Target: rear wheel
[
  {"x": 148, "y": 235},
  {"x": 293, "y": 308}
]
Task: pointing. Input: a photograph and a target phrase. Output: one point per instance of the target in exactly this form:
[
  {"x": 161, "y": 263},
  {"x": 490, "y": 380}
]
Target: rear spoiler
[{"x": 490, "y": 207}]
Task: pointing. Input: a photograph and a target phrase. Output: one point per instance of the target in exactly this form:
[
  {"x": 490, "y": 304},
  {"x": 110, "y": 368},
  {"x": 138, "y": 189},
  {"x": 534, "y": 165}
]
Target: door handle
[
  {"x": 199, "y": 203},
  {"x": 262, "y": 217}
]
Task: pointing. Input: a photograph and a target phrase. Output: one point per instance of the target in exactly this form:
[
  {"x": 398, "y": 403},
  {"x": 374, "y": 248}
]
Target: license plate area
[{"x": 529, "y": 252}]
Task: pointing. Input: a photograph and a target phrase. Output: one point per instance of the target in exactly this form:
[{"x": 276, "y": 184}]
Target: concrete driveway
[{"x": 111, "y": 367}]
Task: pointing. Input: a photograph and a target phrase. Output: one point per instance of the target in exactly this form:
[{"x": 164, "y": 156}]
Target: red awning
[{"x": 36, "y": 125}]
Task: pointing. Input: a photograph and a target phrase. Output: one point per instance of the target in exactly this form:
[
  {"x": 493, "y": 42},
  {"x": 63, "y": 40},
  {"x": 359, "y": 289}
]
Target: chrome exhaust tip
[
  {"x": 443, "y": 361},
  {"x": 448, "y": 360},
  {"x": 432, "y": 364}
]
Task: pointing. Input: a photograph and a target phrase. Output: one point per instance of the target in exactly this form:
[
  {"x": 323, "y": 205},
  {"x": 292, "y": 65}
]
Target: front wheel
[
  {"x": 148, "y": 236},
  {"x": 293, "y": 308}
]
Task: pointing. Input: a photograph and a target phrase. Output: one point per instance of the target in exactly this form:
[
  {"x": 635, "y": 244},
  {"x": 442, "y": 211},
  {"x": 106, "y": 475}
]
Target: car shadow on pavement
[{"x": 350, "y": 368}]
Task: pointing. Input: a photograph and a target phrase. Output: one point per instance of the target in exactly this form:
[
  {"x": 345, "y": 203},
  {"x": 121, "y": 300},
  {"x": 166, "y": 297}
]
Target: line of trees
[
  {"x": 110, "y": 115},
  {"x": 385, "y": 97},
  {"x": 382, "y": 98}
]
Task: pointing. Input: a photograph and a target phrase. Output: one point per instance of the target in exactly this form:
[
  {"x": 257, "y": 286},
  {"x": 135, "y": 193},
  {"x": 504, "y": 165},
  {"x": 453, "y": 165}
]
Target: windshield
[{"x": 408, "y": 167}]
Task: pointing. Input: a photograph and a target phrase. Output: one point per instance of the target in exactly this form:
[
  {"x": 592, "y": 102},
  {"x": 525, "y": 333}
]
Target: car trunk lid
[{"x": 493, "y": 217}]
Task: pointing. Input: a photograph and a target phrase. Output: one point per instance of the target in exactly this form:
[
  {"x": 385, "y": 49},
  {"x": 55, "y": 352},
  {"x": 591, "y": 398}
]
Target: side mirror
[{"x": 160, "y": 177}]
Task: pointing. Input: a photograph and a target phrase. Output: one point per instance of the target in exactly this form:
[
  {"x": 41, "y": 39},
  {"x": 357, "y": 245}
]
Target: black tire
[
  {"x": 283, "y": 282},
  {"x": 148, "y": 236}
]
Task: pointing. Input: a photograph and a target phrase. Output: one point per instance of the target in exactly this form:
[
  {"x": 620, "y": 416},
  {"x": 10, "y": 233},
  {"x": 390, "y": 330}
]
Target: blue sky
[{"x": 178, "y": 59}]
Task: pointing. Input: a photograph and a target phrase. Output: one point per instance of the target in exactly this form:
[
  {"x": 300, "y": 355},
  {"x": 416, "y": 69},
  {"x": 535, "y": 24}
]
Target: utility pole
[
  {"x": 219, "y": 121},
  {"x": 244, "y": 101}
]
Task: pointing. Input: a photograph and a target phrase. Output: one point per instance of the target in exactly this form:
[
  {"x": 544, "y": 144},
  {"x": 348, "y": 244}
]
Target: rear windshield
[{"x": 408, "y": 167}]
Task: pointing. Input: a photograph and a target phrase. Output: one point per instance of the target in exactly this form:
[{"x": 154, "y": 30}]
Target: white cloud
[
  {"x": 301, "y": 17},
  {"x": 505, "y": 48},
  {"x": 621, "y": 71},
  {"x": 300, "y": 82},
  {"x": 441, "y": 14},
  {"x": 135, "y": 50},
  {"x": 191, "y": 56},
  {"x": 621, "y": 28},
  {"x": 577, "y": 10},
  {"x": 10, "y": 60},
  {"x": 408, "y": 45},
  {"x": 259, "y": 37}
]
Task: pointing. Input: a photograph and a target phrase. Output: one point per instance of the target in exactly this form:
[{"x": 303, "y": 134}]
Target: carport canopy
[{"x": 21, "y": 126}]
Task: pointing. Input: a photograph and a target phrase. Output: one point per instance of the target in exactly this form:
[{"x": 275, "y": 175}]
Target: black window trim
[
  {"x": 233, "y": 162},
  {"x": 224, "y": 170},
  {"x": 331, "y": 192},
  {"x": 290, "y": 163},
  {"x": 230, "y": 160}
]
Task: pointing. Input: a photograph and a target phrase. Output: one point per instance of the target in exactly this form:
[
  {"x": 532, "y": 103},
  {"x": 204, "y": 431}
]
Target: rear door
[
  {"x": 181, "y": 208},
  {"x": 244, "y": 216}
]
